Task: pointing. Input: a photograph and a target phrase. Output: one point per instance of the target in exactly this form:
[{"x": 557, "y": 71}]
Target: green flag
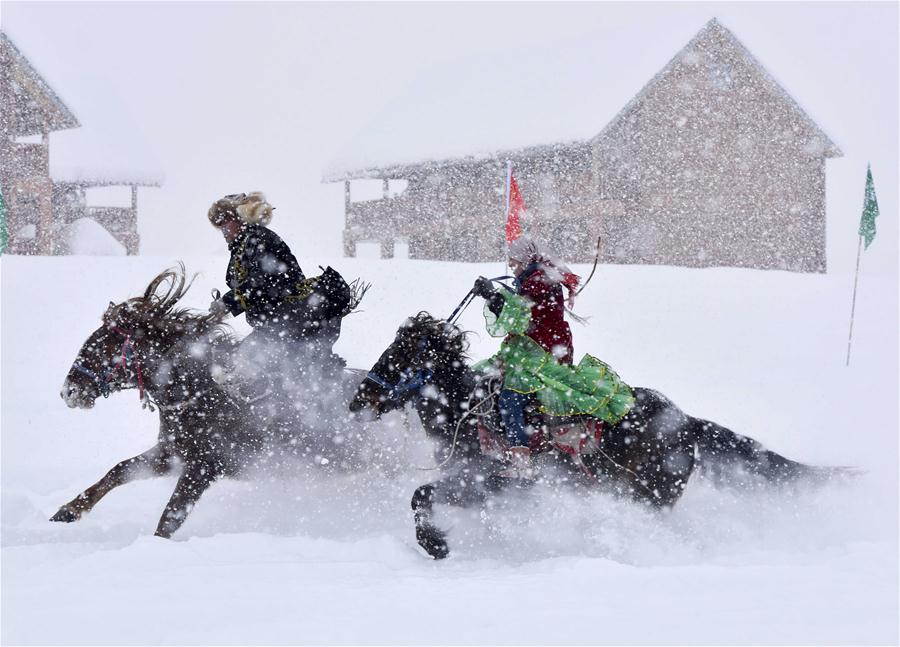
[
  {"x": 4, "y": 237},
  {"x": 870, "y": 211}
]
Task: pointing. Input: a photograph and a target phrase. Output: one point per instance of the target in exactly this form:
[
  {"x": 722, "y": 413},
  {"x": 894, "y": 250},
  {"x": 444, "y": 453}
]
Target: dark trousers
[{"x": 512, "y": 414}]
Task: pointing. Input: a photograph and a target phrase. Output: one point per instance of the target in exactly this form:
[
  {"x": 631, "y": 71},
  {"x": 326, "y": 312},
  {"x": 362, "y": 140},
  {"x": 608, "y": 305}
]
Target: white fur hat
[
  {"x": 250, "y": 209},
  {"x": 524, "y": 249},
  {"x": 254, "y": 210}
]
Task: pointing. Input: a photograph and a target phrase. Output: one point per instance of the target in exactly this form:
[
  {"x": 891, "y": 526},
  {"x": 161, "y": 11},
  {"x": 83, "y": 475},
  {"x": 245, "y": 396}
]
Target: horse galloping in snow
[
  {"x": 171, "y": 355},
  {"x": 649, "y": 455}
]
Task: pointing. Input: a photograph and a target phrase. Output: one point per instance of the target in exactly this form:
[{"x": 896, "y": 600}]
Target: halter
[
  {"x": 128, "y": 355},
  {"x": 410, "y": 381}
]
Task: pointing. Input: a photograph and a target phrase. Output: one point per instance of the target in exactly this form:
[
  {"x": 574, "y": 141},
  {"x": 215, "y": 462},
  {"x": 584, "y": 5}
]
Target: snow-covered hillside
[{"x": 309, "y": 558}]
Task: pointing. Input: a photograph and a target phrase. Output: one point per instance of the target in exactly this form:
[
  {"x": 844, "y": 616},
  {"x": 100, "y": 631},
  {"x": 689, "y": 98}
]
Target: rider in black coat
[
  {"x": 267, "y": 284},
  {"x": 263, "y": 276}
]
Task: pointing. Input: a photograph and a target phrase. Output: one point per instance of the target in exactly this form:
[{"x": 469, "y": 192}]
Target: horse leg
[
  {"x": 451, "y": 490},
  {"x": 153, "y": 462},
  {"x": 429, "y": 536},
  {"x": 194, "y": 481}
]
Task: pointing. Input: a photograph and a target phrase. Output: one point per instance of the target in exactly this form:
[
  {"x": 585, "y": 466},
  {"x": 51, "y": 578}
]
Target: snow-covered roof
[
  {"x": 38, "y": 109},
  {"x": 481, "y": 107},
  {"x": 714, "y": 28},
  {"x": 109, "y": 147}
]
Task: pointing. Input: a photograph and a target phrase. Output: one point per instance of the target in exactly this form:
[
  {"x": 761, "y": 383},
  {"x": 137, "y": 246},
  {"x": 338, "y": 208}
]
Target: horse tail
[{"x": 728, "y": 457}]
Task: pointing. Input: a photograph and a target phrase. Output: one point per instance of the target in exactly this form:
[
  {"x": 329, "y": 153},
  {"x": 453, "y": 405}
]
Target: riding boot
[{"x": 520, "y": 466}]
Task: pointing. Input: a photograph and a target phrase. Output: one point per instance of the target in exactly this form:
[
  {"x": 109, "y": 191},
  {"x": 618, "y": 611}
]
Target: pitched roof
[
  {"x": 103, "y": 146},
  {"x": 711, "y": 30},
  {"x": 38, "y": 108},
  {"x": 563, "y": 93},
  {"x": 110, "y": 148}
]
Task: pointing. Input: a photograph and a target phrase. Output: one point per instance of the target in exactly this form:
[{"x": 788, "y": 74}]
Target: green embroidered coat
[{"x": 589, "y": 388}]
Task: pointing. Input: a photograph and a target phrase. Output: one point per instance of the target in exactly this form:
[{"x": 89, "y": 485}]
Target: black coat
[{"x": 262, "y": 274}]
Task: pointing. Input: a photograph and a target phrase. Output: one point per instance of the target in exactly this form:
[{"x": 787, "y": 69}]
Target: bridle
[
  {"x": 410, "y": 381},
  {"x": 127, "y": 357}
]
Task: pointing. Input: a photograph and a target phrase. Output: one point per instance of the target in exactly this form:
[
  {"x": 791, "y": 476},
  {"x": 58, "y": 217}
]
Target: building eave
[
  {"x": 88, "y": 183},
  {"x": 399, "y": 171}
]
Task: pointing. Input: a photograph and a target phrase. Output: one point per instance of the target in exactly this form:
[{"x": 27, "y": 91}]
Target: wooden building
[
  {"x": 29, "y": 109},
  {"x": 711, "y": 163},
  {"x": 45, "y": 179}
]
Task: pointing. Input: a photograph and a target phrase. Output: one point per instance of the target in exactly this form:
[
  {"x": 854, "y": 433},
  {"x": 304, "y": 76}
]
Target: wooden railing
[
  {"x": 378, "y": 219},
  {"x": 577, "y": 225},
  {"x": 121, "y": 222}
]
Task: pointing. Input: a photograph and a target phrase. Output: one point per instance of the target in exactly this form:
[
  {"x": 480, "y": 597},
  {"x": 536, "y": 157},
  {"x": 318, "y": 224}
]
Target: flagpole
[
  {"x": 506, "y": 215},
  {"x": 508, "y": 184},
  {"x": 853, "y": 307}
]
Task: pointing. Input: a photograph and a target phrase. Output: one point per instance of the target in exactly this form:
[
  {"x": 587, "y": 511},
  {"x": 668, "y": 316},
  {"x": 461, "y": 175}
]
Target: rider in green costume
[
  {"x": 536, "y": 354},
  {"x": 589, "y": 388}
]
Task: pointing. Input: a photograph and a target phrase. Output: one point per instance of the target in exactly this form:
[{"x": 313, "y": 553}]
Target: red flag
[{"x": 515, "y": 208}]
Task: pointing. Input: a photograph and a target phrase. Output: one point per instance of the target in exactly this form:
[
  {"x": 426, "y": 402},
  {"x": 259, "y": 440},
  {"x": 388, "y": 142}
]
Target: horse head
[
  {"x": 115, "y": 356},
  {"x": 423, "y": 348}
]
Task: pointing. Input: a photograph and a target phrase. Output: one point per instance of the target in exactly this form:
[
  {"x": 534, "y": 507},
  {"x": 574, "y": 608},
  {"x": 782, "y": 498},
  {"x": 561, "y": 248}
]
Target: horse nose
[
  {"x": 360, "y": 402},
  {"x": 68, "y": 393}
]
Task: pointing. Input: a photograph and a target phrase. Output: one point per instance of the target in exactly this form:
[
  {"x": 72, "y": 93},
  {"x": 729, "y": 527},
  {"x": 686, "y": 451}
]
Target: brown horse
[{"x": 170, "y": 354}]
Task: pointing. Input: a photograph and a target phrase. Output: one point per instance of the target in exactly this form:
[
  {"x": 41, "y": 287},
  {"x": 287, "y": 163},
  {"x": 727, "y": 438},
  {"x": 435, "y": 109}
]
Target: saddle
[{"x": 576, "y": 436}]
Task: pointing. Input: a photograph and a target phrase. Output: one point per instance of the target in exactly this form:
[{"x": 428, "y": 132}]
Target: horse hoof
[
  {"x": 64, "y": 515},
  {"x": 432, "y": 540}
]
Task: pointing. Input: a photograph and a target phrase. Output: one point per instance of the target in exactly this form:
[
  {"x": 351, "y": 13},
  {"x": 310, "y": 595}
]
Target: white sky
[{"x": 263, "y": 96}]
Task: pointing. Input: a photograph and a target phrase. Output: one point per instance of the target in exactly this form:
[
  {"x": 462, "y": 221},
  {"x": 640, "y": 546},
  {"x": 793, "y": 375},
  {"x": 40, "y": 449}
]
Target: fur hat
[
  {"x": 524, "y": 249},
  {"x": 250, "y": 209}
]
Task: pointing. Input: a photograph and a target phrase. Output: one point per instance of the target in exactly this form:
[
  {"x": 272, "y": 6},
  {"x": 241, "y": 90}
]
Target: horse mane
[
  {"x": 156, "y": 312},
  {"x": 453, "y": 340}
]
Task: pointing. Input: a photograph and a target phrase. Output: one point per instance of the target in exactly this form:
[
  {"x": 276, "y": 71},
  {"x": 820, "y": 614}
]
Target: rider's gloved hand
[
  {"x": 218, "y": 307},
  {"x": 483, "y": 288}
]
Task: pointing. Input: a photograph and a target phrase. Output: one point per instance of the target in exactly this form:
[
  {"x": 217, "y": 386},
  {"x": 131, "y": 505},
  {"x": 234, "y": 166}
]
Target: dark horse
[
  {"x": 648, "y": 456},
  {"x": 168, "y": 353}
]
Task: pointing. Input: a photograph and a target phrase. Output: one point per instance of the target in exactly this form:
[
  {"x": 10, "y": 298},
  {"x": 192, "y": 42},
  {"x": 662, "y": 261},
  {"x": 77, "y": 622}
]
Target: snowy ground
[{"x": 307, "y": 558}]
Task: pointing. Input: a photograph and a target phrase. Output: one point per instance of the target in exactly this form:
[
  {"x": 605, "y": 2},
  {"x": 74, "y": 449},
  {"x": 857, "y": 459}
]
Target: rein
[
  {"x": 470, "y": 295},
  {"x": 453, "y": 443}
]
